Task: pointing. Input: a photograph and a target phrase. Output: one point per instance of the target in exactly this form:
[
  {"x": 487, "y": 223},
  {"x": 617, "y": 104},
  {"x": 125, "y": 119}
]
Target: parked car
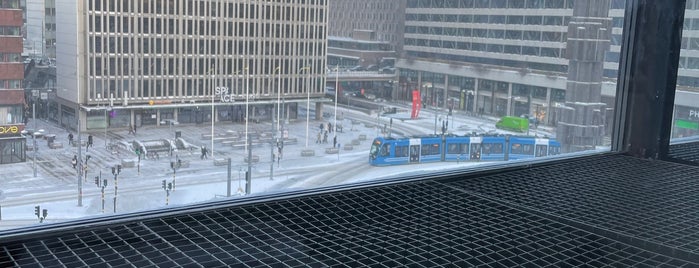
[{"x": 357, "y": 68}]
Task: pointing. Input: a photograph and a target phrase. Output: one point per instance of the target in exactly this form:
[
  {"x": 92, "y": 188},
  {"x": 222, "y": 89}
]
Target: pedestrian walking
[
  {"x": 330, "y": 127},
  {"x": 204, "y": 152},
  {"x": 70, "y": 139},
  {"x": 318, "y": 140},
  {"x": 74, "y": 161},
  {"x": 325, "y": 137},
  {"x": 89, "y": 142}
]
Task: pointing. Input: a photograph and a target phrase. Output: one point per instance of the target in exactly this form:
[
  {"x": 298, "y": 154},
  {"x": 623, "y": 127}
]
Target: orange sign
[{"x": 152, "y": 102}]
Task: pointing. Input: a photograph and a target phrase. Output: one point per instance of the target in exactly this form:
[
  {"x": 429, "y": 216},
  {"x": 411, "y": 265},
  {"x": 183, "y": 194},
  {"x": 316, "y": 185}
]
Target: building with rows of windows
[
  {"x": 512, "y": 57},
  {"x": 12, "y": 99},
  {"x": 150, "y": 61}
]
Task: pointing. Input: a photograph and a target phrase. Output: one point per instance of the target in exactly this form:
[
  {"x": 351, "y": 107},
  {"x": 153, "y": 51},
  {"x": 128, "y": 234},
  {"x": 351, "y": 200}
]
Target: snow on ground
[{"x": 203, "y": 181}]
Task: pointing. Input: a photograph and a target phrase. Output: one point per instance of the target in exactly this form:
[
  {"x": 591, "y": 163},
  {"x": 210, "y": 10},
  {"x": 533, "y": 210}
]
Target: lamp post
[
  {"x": 115, "y": 171},
  {"x": 308, "y": 100},
  {"x": 212, "y": 120},
  {"x": 337, "y": 83},
  {"x": 34, "y": 135},
  {"x": 175, "y": 165}
]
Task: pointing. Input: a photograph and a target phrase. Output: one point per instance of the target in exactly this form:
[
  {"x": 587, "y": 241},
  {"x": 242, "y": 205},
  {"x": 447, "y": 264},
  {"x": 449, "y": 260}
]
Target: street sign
[
  {"x": 35, "y": 93},
  {"x": 44, "y": 95}
]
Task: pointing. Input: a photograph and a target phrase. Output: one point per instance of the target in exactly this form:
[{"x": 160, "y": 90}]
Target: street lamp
[
  {"x": 116, "y": 170},
  {"x": 308, "y": 99},
  {"x": 175, "y": 166},
  {"x": 212, "y": 118}
]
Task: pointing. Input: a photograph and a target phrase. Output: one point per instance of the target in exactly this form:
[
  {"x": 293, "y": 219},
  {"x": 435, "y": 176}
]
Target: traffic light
[
  {"x": 118, "y": 169},
  {"x": 113, "y": 171},
  {"x": 45, "y": 212},
  {"x": 37, "y": 209},
  {"x": 169, "y": 185},
  {"x": 105, "y": 182},
  {"x": 164, "y": 185},
  {"x": 97, "y": 181}
]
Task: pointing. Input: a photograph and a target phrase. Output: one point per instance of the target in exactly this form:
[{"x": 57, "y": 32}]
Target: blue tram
[{"x": 392, "y": 151}]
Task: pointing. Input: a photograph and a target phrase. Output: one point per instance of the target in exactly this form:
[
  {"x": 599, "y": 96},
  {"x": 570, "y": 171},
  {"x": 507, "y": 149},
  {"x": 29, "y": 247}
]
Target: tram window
[
  {"x": 516, "y": 148},
  {"x": 485, "y": 148},
  {"x": 528, "y": 149},
  {"x": 401, "y": 151},
  {"x": 430, "y": 149},
  {"x": 385, "y": 150},
  {"x": 540, "y": 150},
  {"x": 453, "y": 148},
  {"x": 497, "y": 148},
  {"x": 554, "y": 150},
  {"x": 464, "y": 148}
]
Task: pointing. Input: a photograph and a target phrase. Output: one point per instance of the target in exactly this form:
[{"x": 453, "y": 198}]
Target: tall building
[
  {"x": 383, "y": 18},
  {"x": 150, "y": 61},
  {"x": 41, "y": 28},
  {"x": 12, "y": 100},
  {"x": 497, "y": 57}
]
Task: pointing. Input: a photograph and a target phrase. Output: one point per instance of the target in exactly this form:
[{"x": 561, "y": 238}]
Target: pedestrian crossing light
[{"x": 45, "y": 213}]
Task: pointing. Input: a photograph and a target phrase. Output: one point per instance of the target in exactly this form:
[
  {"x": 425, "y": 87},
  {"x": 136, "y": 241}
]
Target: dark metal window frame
[{"x": 646, "y": 85}]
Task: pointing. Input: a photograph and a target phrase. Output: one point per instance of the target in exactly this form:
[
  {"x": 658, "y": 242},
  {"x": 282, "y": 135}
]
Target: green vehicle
[{"x": 513, "y": 123}]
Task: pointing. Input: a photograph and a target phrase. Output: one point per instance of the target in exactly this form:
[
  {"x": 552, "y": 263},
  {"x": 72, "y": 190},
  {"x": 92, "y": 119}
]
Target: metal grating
[
  {"x": 688, "y": 152},
  {"x": 419, "y": 224},
  {"x": 483, "y": 221},
  {"x": 648, "y": 201}
]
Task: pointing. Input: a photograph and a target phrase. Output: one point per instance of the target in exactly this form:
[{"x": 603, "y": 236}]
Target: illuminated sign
[
  {"x": 152, "y": 102},
  {"x": 9, "y": 130}
]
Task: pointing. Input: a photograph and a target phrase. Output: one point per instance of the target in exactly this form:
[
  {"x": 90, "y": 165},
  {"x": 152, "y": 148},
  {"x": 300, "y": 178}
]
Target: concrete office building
[
  {"x": 135, "y": 62},
  {"x": 384, "y": 19},
  {"x": 12, "y": 100},
  {"x": 41, "y": 29},
  {"x": 501, "y": 58}
]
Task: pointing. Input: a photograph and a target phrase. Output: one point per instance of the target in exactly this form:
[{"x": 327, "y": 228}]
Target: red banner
[{"x": 416, "y": 105}]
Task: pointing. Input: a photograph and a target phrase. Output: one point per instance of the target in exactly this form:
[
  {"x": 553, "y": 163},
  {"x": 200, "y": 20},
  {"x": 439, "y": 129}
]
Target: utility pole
[
  {"x": 80, "y": 168},
  {"x": 248, "y": 175},
  {"x": 271, "y": 152}
]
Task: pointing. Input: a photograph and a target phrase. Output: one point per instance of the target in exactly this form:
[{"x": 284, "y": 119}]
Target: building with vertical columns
[
  {"x": 150, "y": 61},
  {"x": 12, "y": 99},
  {"x": 383, "y": 18},
  {"x": 496, "y": 57}
]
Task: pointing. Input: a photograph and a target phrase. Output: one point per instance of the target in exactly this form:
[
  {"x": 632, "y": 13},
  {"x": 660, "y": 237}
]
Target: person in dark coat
[{"x": 204, "y": 152}]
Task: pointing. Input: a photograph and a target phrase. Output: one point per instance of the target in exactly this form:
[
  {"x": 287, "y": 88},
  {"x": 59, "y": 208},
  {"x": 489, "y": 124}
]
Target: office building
[
  {"x": 122, "y": 63},
  {"x": 12, "y": 100}
]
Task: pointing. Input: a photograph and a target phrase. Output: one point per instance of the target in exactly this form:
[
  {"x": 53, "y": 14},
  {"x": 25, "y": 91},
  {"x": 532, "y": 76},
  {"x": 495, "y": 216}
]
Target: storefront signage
[
  {"x": 154, "y": 102},
  {"x": 694, "y": 113},
  {"x": 11, "y": 130},
  {"x": 223, "y": 94}
]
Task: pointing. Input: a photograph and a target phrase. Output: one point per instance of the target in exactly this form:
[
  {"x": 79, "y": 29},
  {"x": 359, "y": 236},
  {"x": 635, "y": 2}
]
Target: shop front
[{"x": 12, "y": 144}]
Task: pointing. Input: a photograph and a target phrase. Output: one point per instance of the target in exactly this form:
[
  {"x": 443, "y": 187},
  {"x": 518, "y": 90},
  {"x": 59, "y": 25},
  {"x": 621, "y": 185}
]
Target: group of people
[
  {"x": 322, "y": 137},
  {"x": 90, "y": 141}
]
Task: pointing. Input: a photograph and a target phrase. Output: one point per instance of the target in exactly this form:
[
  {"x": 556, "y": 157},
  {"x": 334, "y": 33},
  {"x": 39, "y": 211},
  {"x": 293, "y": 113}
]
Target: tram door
[
  {"x": 476, "y": 148},
  {"x": 414, "y": 153},
  {"x": 475, "y": 151}
]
